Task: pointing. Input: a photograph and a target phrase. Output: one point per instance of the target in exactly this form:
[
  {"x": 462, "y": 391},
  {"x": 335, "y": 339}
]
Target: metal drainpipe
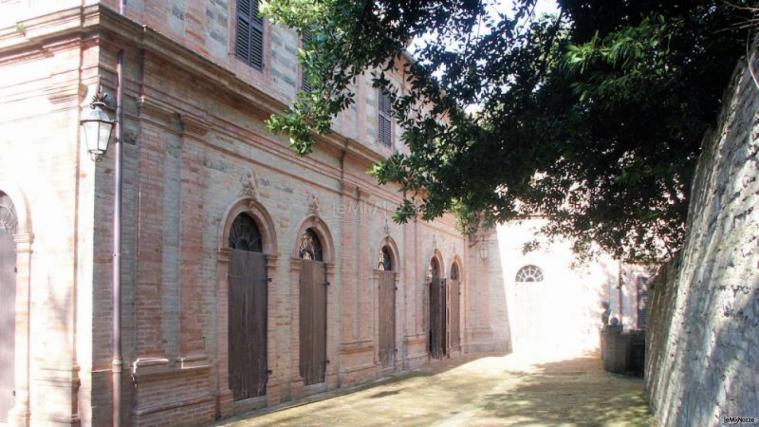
[{"x": 117, "y": 363}]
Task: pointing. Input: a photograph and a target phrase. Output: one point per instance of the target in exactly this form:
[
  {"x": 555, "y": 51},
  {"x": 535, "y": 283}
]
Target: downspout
[{"x": 117, "y": 363}]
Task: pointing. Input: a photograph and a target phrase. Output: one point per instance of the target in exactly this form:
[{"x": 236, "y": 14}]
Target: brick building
[{"x": 233, "y": 247}]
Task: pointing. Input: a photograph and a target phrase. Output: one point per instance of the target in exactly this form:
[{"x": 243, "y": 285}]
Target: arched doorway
[
  {"x": 313, "y": 308},
  {"x": 385, "y": 272},
  {"x": 247, "y": 299},
  {"x": 438, "y": 312},
  {"x": 533, "y": 321},
  {"x": 454, "y": 286},
  {"x": 7, "y": 306}
]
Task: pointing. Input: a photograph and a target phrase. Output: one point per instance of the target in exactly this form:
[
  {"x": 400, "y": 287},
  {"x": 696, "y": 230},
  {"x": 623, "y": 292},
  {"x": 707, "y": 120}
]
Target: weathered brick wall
[
  {"x": 47, "y": 177},
  {"x": 199, "y": 149},
  {"x": 195, "y": 146},
  {"x": 702, "y": 359}
]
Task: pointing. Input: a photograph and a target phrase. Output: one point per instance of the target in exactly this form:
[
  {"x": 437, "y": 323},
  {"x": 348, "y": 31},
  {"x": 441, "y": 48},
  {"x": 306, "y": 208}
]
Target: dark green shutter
[
  {"x": 305, "y": 87},
  {"x": 384, "y": 125},
  {"x": 249, "y": 40}
]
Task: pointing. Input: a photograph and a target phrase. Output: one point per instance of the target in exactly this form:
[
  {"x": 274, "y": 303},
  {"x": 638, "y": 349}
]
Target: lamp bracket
[{"x": 101, "y": 99}]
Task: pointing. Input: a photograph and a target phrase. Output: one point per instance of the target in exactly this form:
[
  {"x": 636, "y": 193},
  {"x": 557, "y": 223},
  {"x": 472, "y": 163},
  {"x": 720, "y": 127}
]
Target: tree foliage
[{"x": 591, "y": 118}]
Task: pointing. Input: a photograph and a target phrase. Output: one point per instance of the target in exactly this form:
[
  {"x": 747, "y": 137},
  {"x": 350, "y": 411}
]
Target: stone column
[
  {"x": 333, "y": 328},
  {"x": 224, "y": 399},
  {"x": 192, "y": 345},
  {"x": 296, "y": 380},
  {"x": 273, "y": 385}
]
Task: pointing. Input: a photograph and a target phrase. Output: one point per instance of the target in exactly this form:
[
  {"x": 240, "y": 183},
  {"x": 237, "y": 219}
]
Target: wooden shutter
[
  {"x": 306, "y": 36},
  {"x": 384, "y": 125},
  {"x": 249, "y": 40}
]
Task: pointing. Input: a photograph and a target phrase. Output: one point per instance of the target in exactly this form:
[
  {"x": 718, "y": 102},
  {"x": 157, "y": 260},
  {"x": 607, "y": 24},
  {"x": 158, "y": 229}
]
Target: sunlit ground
[{"x": 510, "y": 390}]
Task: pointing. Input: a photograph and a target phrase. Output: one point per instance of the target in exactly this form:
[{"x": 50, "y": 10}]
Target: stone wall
[{"x": 702, "y": 359}]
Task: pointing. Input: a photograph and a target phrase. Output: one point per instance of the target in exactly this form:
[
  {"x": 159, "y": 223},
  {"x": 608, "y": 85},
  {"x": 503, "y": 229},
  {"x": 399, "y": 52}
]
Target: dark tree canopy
[{"x": 591, "y": 118}]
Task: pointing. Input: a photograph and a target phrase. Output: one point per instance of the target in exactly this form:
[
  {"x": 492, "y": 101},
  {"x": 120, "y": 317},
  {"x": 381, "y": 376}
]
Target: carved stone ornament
[
  {"x": 313, "y": 204},
  {"x": 249, "y": 183}
]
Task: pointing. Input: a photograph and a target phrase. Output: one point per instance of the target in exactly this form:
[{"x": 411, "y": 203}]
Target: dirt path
[{"x": 492, "y": 391}]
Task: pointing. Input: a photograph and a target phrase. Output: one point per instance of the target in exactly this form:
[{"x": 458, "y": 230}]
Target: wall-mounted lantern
[
  {"x": 483, "y": 249},
  {"x": 97, "y": 125}
]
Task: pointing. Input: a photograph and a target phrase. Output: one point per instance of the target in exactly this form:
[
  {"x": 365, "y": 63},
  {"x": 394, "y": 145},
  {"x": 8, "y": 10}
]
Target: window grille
[
  {"x": 244, "y": 234},
  {"x": 529, "y": 273},
  {"x": 310, "y": 246},
  {"x": 385, "y": 261}
]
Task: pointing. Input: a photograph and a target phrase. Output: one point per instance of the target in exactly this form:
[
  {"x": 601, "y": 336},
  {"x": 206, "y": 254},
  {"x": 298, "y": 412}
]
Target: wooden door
[
  {"x": 446, "y": 315},
  {"x": 7, "y": 322},
  {"x": 437, "y": 317},
  {"x": 248, "y": 369},
  {"x": 387, "y": 318},
  {"x": 313, "y": 321},
  {"x": 455, "y": 297}
]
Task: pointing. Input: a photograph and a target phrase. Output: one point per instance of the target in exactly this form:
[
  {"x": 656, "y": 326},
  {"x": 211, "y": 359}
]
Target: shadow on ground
[
  {"x": 568, "y": 392},
  {"x": 484, "y": 392}
]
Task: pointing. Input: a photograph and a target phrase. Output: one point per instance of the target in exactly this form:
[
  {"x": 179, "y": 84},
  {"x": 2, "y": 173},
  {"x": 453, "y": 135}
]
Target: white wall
[{"x": 560, "y": 316}]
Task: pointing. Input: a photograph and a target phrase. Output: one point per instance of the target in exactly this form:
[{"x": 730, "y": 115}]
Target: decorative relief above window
[
  {"x": 310, "y": 246},
  {"x": 529, "y": 273},
  {"x": 244, "y": 234}
]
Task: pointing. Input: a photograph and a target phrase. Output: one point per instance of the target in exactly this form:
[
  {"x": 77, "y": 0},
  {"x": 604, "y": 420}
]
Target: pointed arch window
[
  {"x": 529, "y": 273},
  {"x": 310, "y": 247},
  {"x": 385, "y": 262},
  {"x": 455, "y": 272},
  {"x": 244, "y": 234},
  {"x": 434, "y": 268}
]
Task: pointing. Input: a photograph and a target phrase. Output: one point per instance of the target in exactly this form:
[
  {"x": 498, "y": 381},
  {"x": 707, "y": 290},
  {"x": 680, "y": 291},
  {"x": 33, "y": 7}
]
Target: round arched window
[
  {"x": 7, "y": 215},
  {"x": 529, "y": 273},
  {"x": 244, "y": 234}
]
